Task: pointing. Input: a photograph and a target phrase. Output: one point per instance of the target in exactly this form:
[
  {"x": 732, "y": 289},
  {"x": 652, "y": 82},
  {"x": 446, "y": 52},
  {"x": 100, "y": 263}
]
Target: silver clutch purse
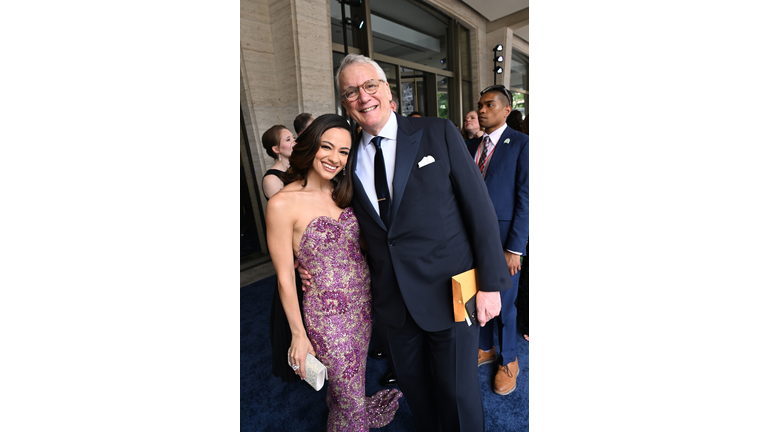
[{"x": 317, "y": 373}]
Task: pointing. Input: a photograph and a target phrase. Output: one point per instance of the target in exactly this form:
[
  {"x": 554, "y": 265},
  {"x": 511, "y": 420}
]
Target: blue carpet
[{"x": 268, "y": 404}]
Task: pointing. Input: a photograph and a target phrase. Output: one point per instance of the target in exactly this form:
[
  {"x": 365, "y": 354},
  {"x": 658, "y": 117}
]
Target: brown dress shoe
[
  {"x": 486, "y": 357},
  {"x": 506, "y": 378}
]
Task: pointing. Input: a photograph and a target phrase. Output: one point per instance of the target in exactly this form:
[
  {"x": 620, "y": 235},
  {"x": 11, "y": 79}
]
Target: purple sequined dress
[{"x": 337, "y": 311}]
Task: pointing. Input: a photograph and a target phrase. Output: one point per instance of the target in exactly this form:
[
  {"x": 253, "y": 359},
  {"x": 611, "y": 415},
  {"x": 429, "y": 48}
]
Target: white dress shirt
[
  {"x": 367, "y": 152},
  {"x": 495, "y": 136}
]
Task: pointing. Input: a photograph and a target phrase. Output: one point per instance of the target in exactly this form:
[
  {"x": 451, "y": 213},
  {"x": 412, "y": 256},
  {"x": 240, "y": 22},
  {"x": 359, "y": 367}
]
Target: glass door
[{"x": 413, "y": 97}]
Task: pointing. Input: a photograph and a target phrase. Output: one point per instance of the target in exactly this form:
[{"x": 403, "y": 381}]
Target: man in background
[
  {"x": 502, "y": 157},
  {"x": 301, "y": 122}
]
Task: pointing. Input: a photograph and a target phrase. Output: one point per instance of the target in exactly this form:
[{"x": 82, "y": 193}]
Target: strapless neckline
[{"x": 342, "y": 217}]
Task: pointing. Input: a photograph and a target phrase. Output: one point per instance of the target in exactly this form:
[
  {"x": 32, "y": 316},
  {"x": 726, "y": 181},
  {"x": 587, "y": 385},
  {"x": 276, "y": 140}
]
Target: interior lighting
[{"x": 497, "y": 59}]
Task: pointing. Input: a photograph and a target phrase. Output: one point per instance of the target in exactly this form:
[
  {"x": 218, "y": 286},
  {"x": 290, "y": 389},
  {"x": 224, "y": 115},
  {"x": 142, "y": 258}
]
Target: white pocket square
[{"x": 426, "y": 161}]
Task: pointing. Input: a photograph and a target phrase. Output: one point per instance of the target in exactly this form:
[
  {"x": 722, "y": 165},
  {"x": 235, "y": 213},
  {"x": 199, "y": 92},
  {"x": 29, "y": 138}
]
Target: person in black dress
[
  {"x": 522, "y": 297},
  {"x": 522, "y": 292},
  {"x": 278, "y": 141}
]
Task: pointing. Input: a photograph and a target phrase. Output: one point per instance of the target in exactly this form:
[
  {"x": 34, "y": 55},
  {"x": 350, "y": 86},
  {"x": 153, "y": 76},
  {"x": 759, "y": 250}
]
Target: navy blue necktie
[{"x": 380, "y": 180}]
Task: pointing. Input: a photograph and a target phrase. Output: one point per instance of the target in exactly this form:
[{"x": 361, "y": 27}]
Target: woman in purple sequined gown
[{"x": 310, "y": 218}]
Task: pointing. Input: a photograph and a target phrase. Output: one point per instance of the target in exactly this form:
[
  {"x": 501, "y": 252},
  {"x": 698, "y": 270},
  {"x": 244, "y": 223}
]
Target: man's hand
[
  {"x": 304, "y": 275},
  {"x": 488, "y": 306},
  {"x": 513, "y": 262}
]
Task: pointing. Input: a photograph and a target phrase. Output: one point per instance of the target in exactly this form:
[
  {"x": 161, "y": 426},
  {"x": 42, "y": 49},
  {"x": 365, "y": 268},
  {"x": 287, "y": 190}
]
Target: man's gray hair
[{"x": 351, "y": 59}]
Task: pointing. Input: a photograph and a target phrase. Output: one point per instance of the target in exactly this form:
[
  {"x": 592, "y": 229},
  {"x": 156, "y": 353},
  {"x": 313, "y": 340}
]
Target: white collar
[
  {"x": 389, "y": 131},
  {"x": 496, "y": 135}
]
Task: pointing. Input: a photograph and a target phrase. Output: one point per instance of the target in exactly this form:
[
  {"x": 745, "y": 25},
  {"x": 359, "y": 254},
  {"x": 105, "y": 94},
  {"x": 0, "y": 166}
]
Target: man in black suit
[{"x": 425, "y": 214}]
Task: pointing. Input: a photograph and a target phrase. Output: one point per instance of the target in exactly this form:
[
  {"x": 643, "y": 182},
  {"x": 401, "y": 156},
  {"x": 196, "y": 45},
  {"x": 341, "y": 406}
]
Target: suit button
[{"x": 392, "y": 243}]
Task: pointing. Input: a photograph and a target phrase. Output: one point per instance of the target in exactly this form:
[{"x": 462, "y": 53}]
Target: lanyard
[{"x": 488, "y": 156}]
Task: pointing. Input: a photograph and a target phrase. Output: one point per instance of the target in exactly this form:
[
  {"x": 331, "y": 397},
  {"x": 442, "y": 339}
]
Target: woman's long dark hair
[{"x": 304, "y": 153}]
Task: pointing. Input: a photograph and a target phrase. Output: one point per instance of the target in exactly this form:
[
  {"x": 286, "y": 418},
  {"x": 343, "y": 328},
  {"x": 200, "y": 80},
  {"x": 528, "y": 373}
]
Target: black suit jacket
[{"x": 442, "y": 223}]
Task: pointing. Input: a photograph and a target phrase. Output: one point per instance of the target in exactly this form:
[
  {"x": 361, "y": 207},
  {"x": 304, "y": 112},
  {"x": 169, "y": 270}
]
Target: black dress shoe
[
  {"x": 388, "y": 380},
  {"x": 378, "y": 353}
]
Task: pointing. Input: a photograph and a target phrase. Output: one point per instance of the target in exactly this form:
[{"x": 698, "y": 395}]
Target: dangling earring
[
  {"x": 279, "y": 157},
  {"x": 344, "y": 171}
]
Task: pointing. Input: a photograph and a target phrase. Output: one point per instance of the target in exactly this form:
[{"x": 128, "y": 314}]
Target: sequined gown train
[{"x": 337, "y": 312}]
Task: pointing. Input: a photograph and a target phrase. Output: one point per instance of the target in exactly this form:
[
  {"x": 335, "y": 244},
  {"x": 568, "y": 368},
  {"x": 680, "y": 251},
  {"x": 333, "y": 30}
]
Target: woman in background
[
  {"x": 311, "y": 219},
  {"x": 472, "y": 129},
  {"x": 278, "y": 141}
]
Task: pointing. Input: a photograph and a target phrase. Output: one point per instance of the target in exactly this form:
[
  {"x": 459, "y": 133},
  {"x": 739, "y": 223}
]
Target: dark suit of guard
[
  {"x": 507, "y": 182},
  {"x": 442, "y": 223}
]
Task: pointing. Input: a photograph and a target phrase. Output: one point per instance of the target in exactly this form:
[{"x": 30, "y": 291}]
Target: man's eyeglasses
[
  {"x": 500, "y": 88},
  {"x": 371, "y": 86}
]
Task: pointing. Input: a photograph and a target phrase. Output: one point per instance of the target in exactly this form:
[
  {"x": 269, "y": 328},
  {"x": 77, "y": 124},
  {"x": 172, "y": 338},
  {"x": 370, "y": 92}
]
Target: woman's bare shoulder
[{"x": 286, "y": 198}]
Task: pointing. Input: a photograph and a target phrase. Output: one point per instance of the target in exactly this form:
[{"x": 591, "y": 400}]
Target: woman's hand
[{"x": 297, "y": 354}]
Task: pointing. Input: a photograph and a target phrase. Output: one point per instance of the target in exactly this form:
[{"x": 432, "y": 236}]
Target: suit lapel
[
  {"x": 501, "y": 148},
  {"x": 359, "y": 191},
  {"x": 408, "y": 141}
]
